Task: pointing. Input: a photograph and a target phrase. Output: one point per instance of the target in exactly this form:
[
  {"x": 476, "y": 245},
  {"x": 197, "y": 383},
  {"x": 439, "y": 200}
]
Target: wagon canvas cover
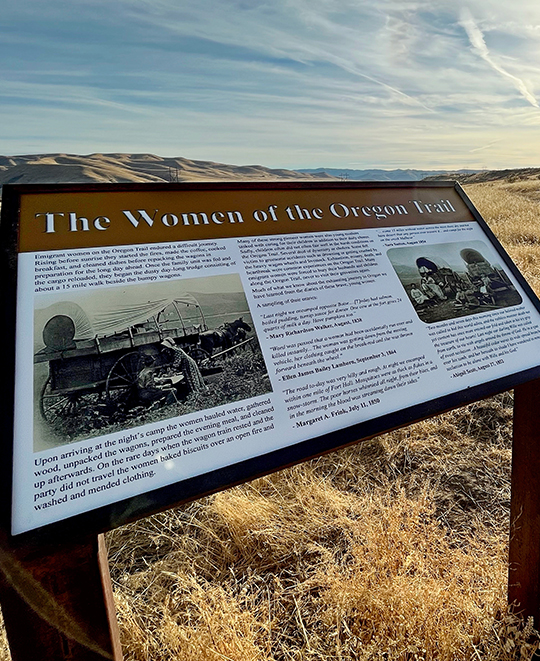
[{"x": 101, "y": 322}]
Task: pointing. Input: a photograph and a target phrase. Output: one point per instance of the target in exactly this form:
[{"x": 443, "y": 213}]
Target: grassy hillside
[
  {"x": 133, "y": 168},
  {"x": 394, "y": 549}
]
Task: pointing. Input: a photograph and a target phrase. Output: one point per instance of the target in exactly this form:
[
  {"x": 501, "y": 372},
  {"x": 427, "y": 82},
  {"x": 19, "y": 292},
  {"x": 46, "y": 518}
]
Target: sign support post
[
  {"x": 58, "y": 603},
  {"x": 524, "y": 553}
]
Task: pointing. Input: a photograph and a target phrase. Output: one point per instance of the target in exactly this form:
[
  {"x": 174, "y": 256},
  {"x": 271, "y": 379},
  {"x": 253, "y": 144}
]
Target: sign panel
[{"x": 174, "y": 340}]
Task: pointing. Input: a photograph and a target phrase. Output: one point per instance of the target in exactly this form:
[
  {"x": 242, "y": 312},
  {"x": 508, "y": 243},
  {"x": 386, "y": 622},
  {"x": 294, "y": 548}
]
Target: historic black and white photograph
[
  {"x": 115, "y": 358},
  {"x": 449, "y": 280}
]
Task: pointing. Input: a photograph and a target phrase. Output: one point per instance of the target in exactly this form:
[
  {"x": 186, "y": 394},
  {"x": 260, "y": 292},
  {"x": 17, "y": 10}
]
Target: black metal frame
[{"x": 130, "y": 509}]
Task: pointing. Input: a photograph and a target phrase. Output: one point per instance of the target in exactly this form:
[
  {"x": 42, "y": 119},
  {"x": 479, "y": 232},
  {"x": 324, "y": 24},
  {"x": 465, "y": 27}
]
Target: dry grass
[
  {"x": 511, "y": 210},
  {"x": 395, "y": 549}
]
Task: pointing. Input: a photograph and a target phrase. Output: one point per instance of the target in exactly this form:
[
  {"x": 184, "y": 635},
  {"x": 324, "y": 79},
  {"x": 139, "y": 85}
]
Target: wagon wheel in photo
[
  {"x": 62, "y": 410},
  {"x": 199, "y": 354},
  {"x": 121, "y": 384}
]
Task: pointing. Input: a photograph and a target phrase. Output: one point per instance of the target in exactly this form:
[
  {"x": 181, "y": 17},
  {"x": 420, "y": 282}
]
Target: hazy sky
[
  {"x": 281, "y": 83},
  {"x": 95, "y": 300}
]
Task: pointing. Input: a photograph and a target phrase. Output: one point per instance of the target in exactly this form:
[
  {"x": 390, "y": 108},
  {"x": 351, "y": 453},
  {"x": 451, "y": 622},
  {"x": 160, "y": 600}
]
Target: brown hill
[
  {"x": 523, "y": 174},
  {"x": 135, "y": 168},
  {"x": 141, "y": 168}
]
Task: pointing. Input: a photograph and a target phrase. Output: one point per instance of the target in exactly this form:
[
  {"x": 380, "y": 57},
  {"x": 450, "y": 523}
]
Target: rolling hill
[{"x": 132, "y": 168}]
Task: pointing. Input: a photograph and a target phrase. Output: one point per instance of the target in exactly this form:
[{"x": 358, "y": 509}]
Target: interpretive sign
[{"x": 170, "y": 341}]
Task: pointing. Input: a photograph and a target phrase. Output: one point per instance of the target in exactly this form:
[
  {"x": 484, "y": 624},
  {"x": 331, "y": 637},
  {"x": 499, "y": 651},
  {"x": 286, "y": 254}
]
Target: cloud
[
  {"x": 479, "y": 45},
  {"x": 488, "y": 146},
  {"x": 285, "y": 83}
]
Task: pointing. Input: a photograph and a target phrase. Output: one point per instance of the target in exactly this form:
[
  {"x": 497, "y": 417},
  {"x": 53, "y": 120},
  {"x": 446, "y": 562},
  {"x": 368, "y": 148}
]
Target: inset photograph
[
  {"x": 112, "y": 359},
  {"x": 449, "y": 280}
]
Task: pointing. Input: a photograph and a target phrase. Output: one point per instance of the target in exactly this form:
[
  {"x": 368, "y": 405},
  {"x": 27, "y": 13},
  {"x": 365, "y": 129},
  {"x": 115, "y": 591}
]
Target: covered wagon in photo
[{"x": 95, "y": 357}]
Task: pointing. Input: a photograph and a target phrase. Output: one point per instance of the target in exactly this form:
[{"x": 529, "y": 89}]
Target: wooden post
[
  {"x": 524, "y": 556},
  {"x": 58, "y": 604}
]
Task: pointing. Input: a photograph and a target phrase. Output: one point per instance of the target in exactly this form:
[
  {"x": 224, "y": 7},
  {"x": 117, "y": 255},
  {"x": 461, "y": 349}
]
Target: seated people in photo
[
  {"x": 418, "y": 296},
  {"x": 460, "y": 299},
  {"x": 466, "y": 297},
  {"x": 184, "y": 365},
  {"x": 435, "y": 288},
  {"x": 485, "y": 293},
  {"x": 149, "y": 390},
  {"x": 450, "y": 285},
  {"x": 425, "y": 289},
  {"x": 471, "y": 300}
]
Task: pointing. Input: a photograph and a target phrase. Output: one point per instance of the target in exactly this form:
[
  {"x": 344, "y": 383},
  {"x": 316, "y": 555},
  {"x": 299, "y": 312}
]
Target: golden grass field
[{"x": 394, "y": 549}]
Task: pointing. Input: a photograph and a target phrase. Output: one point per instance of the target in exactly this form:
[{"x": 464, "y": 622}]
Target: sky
[
  {"x": 432, "y": 84},
  {"x": 95, "y": 301}
]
